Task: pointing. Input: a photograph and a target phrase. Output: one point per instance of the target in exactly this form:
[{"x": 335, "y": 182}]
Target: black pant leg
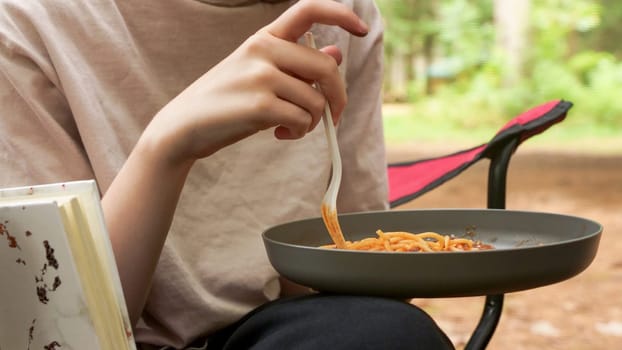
[{"x": 334, "y": 322}]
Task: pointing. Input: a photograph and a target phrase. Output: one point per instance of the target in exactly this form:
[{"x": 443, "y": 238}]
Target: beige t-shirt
[{"x": 80, "y": 80}]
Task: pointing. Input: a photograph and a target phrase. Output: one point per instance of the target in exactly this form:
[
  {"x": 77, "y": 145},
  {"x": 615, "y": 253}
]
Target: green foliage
[
  {"x": 465, "y": 30},
  {"x": 583, "y": 63},
  {"x": 602, "y": 98},
  {"x": 557, "y": 24},
  {"x": 570, "y": 56},
  {"x": 407, "y": 23}
]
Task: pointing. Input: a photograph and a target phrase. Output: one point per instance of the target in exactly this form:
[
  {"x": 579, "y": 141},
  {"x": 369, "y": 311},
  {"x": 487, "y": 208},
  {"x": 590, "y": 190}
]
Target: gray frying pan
[{"x": 532, "y": 249}]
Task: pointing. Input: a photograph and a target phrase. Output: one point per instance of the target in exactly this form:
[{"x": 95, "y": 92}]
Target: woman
[{"x": 181, "y": 110}]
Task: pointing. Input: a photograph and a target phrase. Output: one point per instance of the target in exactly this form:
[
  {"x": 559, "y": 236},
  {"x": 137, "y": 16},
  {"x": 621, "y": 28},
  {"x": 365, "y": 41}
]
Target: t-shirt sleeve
[
  {"x": 39, "y": 142},
  {"x": 361, "y": 137}
]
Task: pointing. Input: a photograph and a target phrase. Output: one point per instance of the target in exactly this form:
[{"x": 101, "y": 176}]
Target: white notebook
[{"x": 59, "y": 286}]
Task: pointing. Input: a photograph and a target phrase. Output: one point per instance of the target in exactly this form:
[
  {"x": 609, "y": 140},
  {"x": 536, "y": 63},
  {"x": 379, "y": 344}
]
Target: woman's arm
[{"x": 264, "y": 84}]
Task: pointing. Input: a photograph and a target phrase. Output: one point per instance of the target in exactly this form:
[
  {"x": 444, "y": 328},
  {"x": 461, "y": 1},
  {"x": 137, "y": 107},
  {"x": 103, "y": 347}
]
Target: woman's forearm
[{"x": 138, "y": 208}]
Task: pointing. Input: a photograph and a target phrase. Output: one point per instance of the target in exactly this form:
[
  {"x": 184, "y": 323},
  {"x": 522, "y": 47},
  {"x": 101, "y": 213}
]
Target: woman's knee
[
  {"x": 381, "y": 322},
  {"x": 344, "y": 322}
]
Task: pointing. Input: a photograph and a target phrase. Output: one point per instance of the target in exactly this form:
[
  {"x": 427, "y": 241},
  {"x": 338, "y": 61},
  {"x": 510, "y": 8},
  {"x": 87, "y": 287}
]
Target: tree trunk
[
  {"x": 511, "y": 23},
  {"x": 396, "y": 91}
]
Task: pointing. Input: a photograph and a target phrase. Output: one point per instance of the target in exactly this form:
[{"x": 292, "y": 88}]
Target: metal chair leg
[
  {"x": 497, "y": 178},
  {"x": 487, "y": 323}
]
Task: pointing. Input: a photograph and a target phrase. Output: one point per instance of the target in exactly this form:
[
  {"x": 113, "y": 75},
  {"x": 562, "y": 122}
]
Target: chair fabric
[{"x": 409, "y": 180}]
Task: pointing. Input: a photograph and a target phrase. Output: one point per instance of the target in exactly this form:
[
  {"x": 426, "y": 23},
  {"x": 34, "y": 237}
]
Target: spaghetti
[{"x": 400, "y": 241}]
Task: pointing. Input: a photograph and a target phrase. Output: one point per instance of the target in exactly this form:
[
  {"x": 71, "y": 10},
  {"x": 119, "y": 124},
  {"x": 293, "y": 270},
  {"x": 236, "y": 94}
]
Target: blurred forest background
[
  {"x": 455, "y": 71},
  {"x": 463, "y": 67}
]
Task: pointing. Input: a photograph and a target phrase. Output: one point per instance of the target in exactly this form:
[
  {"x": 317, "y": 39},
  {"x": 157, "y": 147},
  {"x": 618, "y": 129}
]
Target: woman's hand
[{"x": 265, "y": 83}]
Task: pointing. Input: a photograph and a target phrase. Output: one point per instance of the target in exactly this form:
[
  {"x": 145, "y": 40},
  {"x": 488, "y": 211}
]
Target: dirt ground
[{"x": 584, "y": 312}]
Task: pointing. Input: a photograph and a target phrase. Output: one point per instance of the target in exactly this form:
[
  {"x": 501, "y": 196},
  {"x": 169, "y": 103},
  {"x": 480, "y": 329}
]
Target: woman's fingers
[
  {"x": 312, "y": 65},
  {"x": 276, "y": 98},
  {"x": 308, "y": 64},
  {"x": 298, "y": 19},
  {"x": 293, "y": 121},
  {"x": 297, "y": 107},
  {"x": 334, "y": 52},
  {"x": 302, "y": 95}
]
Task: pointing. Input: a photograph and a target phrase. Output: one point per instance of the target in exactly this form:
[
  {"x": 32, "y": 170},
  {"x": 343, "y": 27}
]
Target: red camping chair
[{"x": 409, "y": 180}]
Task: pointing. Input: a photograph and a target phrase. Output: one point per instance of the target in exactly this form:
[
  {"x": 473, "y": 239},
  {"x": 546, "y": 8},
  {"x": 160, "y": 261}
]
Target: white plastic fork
[{"x": 329, "y": 202}]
